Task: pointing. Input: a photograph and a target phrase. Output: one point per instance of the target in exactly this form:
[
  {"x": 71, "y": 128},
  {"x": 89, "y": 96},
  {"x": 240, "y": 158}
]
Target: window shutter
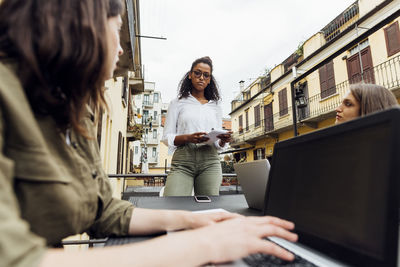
[
  {"x": 268, "y": 118},
  {"x": 257, "y": 115},
  {"x": 392, "y": 37},
  {"x": 283, "y": 107},
  {"x": 131, "y": 160},
  {"x": 247, "y": 119},
  {"x": 327, "y": 80},
  {"x": 240, "y": 123},
  {"x": 354, "y": 68},
  {"x": 119, "y": 153},
  {"x": 330, "y": 76},
  {"x": 322, "y": 80},
  {"x": 122, "y": 155}
]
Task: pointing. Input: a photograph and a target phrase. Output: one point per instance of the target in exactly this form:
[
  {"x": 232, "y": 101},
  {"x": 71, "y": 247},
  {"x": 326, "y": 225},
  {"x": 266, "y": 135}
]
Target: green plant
[{"x": 299, "y": 50}]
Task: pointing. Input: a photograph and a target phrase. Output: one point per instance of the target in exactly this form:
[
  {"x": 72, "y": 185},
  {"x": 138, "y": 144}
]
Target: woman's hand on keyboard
[
  {"x": 195, "y": 220},
  {"x": 240, "y": 237}
]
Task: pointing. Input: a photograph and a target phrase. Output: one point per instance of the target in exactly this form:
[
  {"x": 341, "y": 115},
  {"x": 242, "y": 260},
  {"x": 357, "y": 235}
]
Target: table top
[{"x": 233, "y": 203}]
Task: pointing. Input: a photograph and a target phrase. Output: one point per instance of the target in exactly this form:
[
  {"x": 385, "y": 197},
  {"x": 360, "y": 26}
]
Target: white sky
[{"x": 242, "y": 37}]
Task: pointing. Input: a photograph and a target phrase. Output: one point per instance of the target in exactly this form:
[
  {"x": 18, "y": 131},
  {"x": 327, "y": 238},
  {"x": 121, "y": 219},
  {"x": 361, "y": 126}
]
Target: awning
[{"x": 236, "y": 150}]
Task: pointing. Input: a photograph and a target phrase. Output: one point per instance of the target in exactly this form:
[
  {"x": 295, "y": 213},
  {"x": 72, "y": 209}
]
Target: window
[
  {"x": 155, "y": 134},
  {"x": 257, "y": 115},
  {"x": 154, "y": 152},
  {"x": 120, "y": 153},
  {"x": 246, "y": 95},
  {"x": 146, "y": 100},
  {"x": 354, "y": 67},
  {"x": 283, "y": 105},
  {"x": 138, "y": 111},
  {"x": 145, "y": 116},
  {"x": 136, "y": 149},
  {"x": 246, "y": 112},
  {"x": 155, "y": 97},
  {"x": 327, "y": 80},
  {"x": 155, "y": 115},
  {"x": 268, "y": 118},
  {"x": 241, "y": 124},
  {"x": 259, "y": 153},
  {"x": 392, "y": 37},
  {"x": 131, "y": 168},
  {"x": 124, "y": 94}
]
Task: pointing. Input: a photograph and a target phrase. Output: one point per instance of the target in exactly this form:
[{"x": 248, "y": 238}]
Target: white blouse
[{"x": 187, "y": 116}]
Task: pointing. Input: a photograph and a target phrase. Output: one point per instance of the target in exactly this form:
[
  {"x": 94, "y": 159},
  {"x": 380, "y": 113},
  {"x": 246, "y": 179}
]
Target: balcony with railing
[
  {"x": 150, "y": 140},
  {"x": 341, "y": 22},
  {"x": 147, "y": 104},
  {"x": 156, "y": 121},
  {"x": 267, "y": 127}
]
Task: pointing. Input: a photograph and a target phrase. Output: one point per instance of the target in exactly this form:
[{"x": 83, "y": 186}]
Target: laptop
[
  {"x": 253, "y": 178},
  {"x": 340, "y": 186}
]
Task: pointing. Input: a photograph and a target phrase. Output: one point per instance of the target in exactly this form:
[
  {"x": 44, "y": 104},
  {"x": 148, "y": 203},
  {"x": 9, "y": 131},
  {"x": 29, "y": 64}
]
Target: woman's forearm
[
  {"x": 181, "y": 139},
  {"x": 149, "y": 221},
  {"x": 163, "y": 251}
]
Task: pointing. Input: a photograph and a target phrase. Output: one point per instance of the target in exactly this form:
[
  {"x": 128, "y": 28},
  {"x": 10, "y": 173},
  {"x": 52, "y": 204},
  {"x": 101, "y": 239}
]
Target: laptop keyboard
[{"x": 265, "y": 260}]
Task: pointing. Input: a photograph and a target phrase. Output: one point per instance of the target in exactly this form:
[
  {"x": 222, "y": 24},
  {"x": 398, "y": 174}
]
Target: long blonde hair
[{"x": 372, "y": 97}]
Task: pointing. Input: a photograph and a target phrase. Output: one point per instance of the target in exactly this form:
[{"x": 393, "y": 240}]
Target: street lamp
[{"x": 300, "y": 98}]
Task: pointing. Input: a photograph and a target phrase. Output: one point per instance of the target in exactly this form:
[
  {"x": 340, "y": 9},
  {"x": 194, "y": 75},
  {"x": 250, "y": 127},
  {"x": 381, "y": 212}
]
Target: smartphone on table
[{"x": 202, "y": 199}]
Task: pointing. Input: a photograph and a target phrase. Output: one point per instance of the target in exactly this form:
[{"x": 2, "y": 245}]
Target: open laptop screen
[{"x": 334, "y": 184}]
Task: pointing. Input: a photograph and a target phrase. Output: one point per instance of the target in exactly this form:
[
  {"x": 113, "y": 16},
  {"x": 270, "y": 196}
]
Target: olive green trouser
[{"x": 195, "y": 166}]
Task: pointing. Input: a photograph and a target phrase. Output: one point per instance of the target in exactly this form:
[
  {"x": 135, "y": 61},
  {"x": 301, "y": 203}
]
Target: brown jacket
[{"x": 49, "y": 188}]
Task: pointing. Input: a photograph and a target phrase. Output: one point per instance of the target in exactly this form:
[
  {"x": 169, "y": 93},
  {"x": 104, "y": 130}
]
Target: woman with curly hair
[{"x": 196, "y": 111}]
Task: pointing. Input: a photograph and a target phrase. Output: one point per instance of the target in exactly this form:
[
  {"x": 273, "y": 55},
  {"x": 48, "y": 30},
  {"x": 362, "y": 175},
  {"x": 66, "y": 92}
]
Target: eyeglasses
[{"x": 198, "y": 74}]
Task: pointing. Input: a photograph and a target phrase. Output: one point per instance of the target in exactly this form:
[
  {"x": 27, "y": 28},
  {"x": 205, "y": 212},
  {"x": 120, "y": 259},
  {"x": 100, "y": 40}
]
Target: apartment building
[
  {"x": 149, "y": 113},
  {"x": 360, "y": 44},
  {"x": 113, "y": 131}
]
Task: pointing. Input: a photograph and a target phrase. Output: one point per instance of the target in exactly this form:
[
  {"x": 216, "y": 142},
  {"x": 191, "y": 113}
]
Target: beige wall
[
  {"x": 276, "y": 72},
  {"x": 367, "y": 5},
  {"x": 313, "y": 44},
  {"x": 164, "y": 156},
  {"x": 377, "y": 43},
  {"x": 114, "y": 121}
]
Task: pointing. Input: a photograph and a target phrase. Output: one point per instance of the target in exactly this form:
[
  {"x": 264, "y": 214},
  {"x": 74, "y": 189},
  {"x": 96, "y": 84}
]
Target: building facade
[
  {"x": 147, "y": 152},
  {"x": 114, "y": 130},
  {"x": 362, "y": 44}
]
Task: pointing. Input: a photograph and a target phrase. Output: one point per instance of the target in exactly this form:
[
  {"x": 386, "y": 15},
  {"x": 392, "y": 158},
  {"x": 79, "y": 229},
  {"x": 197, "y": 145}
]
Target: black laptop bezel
[{"x": 391, "y": 240}]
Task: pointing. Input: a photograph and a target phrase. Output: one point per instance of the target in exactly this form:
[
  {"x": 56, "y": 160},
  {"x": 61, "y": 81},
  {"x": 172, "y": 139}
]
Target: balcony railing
[
  {"x": 386, "y": 74},
  {"x": 266, "y": 126},
  {"x": 156, "y": 180},
  {"x": 147, "y": 103},
  {"x": 341, "y": 22}
]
